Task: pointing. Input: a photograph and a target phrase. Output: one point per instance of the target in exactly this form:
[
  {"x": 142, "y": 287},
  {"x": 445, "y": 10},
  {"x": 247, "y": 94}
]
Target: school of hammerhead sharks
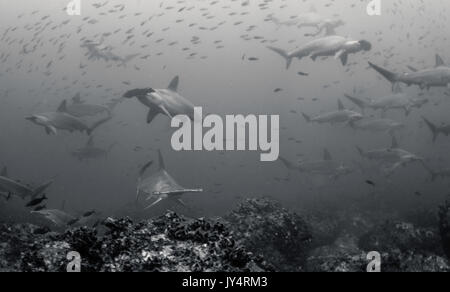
[{"x": 158, "y": 186}]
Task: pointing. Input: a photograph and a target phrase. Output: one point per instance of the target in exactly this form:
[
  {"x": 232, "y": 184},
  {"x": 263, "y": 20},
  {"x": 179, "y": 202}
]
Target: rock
[
  {"x": 401, "y": 236},
  {"x": 281, "y": 237},
  {"x": 444, "y": 227},
  {"x": 169, "y": 243}
]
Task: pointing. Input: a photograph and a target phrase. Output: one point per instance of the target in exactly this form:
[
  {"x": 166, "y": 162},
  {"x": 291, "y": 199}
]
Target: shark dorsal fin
[
  {"x": 326, "y": 155},
  {"x": 77, "y": 99},
  {"x": 63, "y": 107},
  {"x": 340, "y": 105},
  {"x": 439, "y": 61},
  {"x": 397, "y": 88},
  {"x": 174, "y": 84},
  {"x": 90, "y": 142},
  {"x": 161, "y": 160},
  {"x": 394, "y": 143},
  {"x": 4, "y": 172}
]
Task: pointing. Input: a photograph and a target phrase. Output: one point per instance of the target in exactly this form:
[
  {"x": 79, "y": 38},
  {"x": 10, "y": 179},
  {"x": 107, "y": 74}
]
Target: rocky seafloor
[{"x": 258, "y": 236}]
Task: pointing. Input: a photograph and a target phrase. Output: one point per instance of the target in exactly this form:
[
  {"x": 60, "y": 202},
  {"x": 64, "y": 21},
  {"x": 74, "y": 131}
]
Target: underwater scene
[{"x": 224, "y": 136}]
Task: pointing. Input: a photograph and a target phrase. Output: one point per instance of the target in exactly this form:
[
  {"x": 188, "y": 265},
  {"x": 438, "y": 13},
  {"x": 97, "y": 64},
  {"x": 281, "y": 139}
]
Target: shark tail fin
[
  {"x": 98, "y": 124},
  {"x": 390, "y": 76},
  {"x": 307, "y": 118},
  {"x": 283, "y": 54},
  {"x": 361, "y": 152},
  {"x": 434, "y": 175},
  {"x": 361, "y": 103},
  {"x": 39, "y": 190},
  {"x": 433, "y": 128}
]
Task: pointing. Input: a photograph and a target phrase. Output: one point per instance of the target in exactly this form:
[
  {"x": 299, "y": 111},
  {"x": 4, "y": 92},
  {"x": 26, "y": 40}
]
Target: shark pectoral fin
[
  {"x": 164, "y": 109},
  {"x": 180, "y": 201},
  {"x": 152, "y": 113},
  {"x": 344, "y": 59},
  {"x": 39, "y": 190},
  {"x": 339, "y": 54},
  {"x": 50, "y": 130},
  {"x": 154, "y": 203}
]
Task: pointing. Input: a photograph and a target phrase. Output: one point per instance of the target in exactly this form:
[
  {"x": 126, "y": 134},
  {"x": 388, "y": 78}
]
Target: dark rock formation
[
  {"x": 281, "y": 237},
  {"x": 169, "y": 243}
]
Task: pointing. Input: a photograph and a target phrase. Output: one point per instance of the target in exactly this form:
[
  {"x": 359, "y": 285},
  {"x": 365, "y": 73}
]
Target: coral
[
  {"x": 278, "y": 235},
  {"x": 260, "y": 235},
  {"x": 444, "y": 227},
  {"x": 169, "y": 243}
]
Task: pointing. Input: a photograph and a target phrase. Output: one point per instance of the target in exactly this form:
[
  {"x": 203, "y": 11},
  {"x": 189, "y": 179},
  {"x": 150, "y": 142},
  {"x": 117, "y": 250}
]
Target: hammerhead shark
[
  {"x": 337, "y": 46},
  {"x": 161, "y": 186},
  {"x": 327, "y": 166},
  {"x": 98, "y": 51},
  {"x": 439, "y": 76},
  {"x": 392, "y": 157},
  {"x": 16, "y": 188},
  {"x": 163, "y": 101}
]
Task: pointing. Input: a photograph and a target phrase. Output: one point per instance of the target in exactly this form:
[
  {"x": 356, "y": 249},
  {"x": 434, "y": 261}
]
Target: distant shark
[
  {"x": 391, "y": 158},
  {"x": 436, "y": 130},
  {"x": 98, "y": 51},
  {"x": 163, "y": 101},
  {"x": 375, "y": 125},
  {"x": 90, "y": 151},
  {"x": 342, "y": 115},
  {"x": 61, "y": 120},
  {"x": 311, "y": 19},
  {"x": 397, "y": 100},
  {"x": 439, "y": 76},
  {"x": 59, "y": 218},
  {"x": 12, "y": 187},
  {"x": 337, "y": 46},
  {"x": 327, "y": 166},
  {"x": 78, "y": 108},
  {"x": 161, "y": 186}
]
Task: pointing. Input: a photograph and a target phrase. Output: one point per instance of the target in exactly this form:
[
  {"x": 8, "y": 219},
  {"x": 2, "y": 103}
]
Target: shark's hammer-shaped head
[{"x": 138, "y": 92}]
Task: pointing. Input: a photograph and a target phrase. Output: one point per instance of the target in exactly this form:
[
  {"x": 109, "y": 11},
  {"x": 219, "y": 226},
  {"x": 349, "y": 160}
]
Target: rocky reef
[
  {"x": 258, "y": 236},
  {"x": 282, "y": 237}
]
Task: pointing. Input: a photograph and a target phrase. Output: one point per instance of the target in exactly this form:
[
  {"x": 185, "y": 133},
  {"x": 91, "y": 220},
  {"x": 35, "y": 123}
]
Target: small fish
[
  {"x": 369, "y": 182},
  {"x": 303, "y": 73},
  {"x": 278, "y": 90}
]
